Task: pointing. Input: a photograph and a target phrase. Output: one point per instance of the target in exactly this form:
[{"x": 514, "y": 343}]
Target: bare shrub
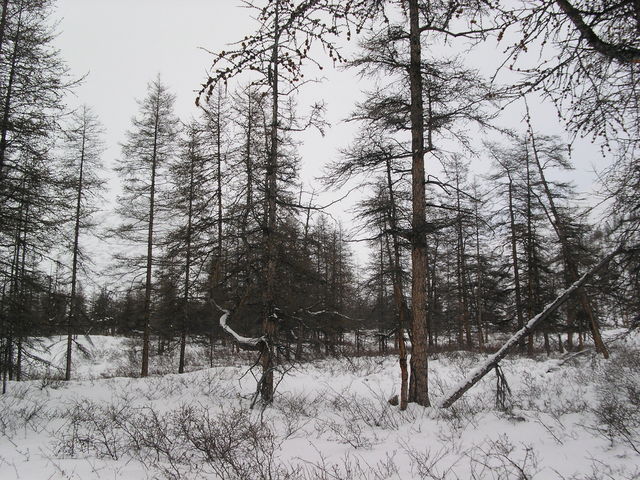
[
  {"x": 372, "y": 410},
  {"x": 429, "y": 464},
  {"x": 180, "y": 444},
  {"x": 231, "y": 444},
  {"x": 22, "y": 412},
  {"x": 350, "y": 467},
  {"x": 356, "y": 419},
  {"x": 618, "y": 398},
  {"x": 603, "y": 471},
  {"x": 215, "y": 383},
  {"x": 558, "y": 392},
  {"x": 92, "y": 428},
  {"x": 502, "y": 460},
  {"x": 348, "y": 431},
  {"x": 297, "y": 411},
  {"x": 458, "y": 417}
]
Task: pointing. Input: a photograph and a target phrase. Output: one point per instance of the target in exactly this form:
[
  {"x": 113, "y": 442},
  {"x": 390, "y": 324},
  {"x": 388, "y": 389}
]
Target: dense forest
[{"x": 214, "y": 222}]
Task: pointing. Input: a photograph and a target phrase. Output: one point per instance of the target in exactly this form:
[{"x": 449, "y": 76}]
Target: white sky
[{"x": 123, "y": 44}]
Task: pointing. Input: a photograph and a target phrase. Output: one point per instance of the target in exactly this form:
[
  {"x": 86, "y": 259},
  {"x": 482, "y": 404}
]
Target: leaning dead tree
[{"x": 492, "y": 361}]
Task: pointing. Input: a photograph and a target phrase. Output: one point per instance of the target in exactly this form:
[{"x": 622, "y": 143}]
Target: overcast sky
[{"x": 123, "y": 44}]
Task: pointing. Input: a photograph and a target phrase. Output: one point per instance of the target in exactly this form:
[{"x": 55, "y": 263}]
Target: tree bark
[{"x": 419, "y": 386}]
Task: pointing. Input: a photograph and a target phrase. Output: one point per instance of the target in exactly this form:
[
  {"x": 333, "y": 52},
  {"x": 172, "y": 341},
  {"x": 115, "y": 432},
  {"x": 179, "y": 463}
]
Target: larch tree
[
  {"x": 275, "y": 53},
  {"x": 150, "y": 144},
  {"x": 375, "y": 154},
  {"x": 81, "y": 169},
  {"x": 33, "y": 80},
  {"x": 431, "y": 84},
  {"x": 547, "y": 152},
  {"x": 194, "y": 198}
]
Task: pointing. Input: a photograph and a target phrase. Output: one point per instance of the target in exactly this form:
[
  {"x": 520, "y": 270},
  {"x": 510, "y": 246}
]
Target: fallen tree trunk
[{"x": 492, "y": 361}]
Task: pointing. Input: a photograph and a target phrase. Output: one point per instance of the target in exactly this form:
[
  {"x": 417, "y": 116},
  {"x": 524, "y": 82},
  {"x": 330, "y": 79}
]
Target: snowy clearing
[{"x": 330, "y": 420}]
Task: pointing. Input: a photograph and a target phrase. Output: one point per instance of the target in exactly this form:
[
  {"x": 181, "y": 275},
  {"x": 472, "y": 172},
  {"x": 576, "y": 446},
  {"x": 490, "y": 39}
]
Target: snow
[
  {"x": 252, "y": 342},
  {"x": 330, "y": 419}
]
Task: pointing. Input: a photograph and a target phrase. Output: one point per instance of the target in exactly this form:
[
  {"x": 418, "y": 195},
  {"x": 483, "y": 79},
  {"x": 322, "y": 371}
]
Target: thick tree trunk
[
  {"x": 489, "y": 364},
  {"x": 419, "y": 386}
]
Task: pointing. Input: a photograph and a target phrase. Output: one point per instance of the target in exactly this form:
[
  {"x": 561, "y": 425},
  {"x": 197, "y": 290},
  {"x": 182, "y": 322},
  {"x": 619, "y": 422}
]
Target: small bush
[{"x": 618, "y": 398}]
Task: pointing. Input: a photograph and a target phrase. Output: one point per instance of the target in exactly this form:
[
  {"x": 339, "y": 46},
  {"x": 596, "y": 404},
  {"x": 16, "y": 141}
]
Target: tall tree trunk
[
  {"x": 514, "y": 257},
  {"x": 219, "y": 186},
  {"x": 248, "y": 165},
  {"x": 398, "y": 291},
  {"x": 419, "y": 386},
  {"x": 269, "y": 322},
  {"x": 461, "y": 271},
  {"x": 381, "y": 330},
  {"x": 71, "y": 319},
  {"x": 187, "y": 267},
  {"x": 432, "y": 293},
  {"x": 147, "y": 289},
  {"x": 23, "y": 292},
  {"x": 479, "y": 296},
  {"x": 530, "y": 244}
]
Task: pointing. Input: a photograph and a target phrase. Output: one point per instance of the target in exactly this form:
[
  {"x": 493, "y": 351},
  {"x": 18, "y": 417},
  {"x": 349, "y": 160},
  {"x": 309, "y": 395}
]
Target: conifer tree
[
  {"x": 81, "y": 166},
  {"x": 150, "y": 144}
]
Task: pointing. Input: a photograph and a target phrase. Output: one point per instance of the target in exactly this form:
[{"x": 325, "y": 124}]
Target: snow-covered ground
[{"x": 330, "y": 420}]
